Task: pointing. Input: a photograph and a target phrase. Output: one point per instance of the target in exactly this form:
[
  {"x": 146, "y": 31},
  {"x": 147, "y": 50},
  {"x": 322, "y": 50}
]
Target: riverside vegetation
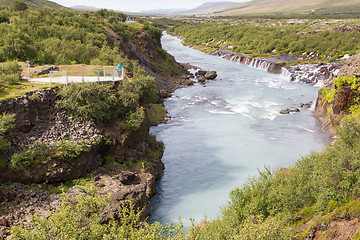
[
  {"x": 296, "y": 202},
  {"x": 266, "y": 37}
]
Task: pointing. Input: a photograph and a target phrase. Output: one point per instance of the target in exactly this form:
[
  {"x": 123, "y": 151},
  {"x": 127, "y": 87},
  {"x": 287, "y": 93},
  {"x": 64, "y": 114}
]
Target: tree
[{"x": 19, "y": 6}]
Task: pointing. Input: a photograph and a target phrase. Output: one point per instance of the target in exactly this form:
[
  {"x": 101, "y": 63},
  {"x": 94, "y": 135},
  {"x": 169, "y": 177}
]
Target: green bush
[
  {"x": 328, "y": 94},
  {"x": 354, "y": 82},
  {"x": 65, "y": 150},
  {"x": 10, "y": 72},
  {"x": 109, "y": 159},
  {"x": 80, "y": 218},
  {"x": 6, "y": 123},
  {"x": 24, "y": 158},
  {"x": 19, "y": 5},
  {"x": 89, "y": 101},
  {"x": 135, "y": 119},
  {"x": 3, "y": 164}
]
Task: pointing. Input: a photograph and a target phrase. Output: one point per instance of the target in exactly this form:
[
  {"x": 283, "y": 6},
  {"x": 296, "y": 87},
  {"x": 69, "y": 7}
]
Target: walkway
[{"x": 80, "y": 77}]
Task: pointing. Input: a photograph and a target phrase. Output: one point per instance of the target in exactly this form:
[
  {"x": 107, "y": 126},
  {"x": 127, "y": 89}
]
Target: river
[{"x": 220, "y": 134}]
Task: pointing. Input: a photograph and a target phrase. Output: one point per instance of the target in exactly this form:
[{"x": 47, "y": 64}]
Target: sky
[{"x": 138, "y": 5}]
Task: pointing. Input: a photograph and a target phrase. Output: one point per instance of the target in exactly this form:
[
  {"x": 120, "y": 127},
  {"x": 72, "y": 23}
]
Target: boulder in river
[
  {"x": 288, "y": 110},
  {"x": 200, "y": 73},
  {"x": 210, "y": 75},
  {"x": 201, "y": 79}
]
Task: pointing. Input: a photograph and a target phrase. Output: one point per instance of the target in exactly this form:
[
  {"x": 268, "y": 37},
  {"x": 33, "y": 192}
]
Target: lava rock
[
  {"x": 210, "y": 75},
  {"x": 200, "y": 73},
  {"x": 201, "y": 79}
]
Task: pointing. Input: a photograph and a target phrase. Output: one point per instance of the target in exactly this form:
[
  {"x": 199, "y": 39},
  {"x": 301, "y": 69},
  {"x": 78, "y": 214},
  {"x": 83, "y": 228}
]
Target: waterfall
[
  {"x": 286, "y": 73},
  {"x": 258, "y": 63}
]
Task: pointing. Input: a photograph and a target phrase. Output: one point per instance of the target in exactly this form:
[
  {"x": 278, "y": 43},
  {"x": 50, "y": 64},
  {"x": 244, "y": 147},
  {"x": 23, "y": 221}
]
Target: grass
[
  {"x": 346, "y": 211},
  {"x": 90, "y": 70},
  {"x": 155, "y": 113},
  {"x": 14, "y": 91},
  {"x": 293, "y": 6}
]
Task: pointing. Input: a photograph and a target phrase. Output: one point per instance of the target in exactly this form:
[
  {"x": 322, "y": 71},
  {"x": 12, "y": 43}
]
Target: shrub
[
  {"x": 6, "y": 123},
  {"x": 67, "y": 150},
  {"x": 10, "y": 72},
  {"x": 80, "y": 218},
  {"x": 328, "y": 94},
  {"x": 109, "y": 159},
  {"x": 64, "y": 150},
  {"x": 3, "y": 163},
  {"x": 19, "y": 5},
  {"x": 135, "y": 119},
  {"x": 23, "y": 158},
  {"x": 88, "y": 101},
  {"x": 352, "y": 81}
]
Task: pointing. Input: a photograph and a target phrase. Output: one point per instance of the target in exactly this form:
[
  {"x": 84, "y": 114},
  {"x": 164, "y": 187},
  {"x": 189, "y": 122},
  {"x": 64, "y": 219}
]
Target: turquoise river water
[{"x": 220, "y": 134}]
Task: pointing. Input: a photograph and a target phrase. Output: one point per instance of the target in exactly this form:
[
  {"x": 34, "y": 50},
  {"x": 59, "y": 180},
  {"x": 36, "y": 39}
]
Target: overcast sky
[{"x": 138, "y": 5}]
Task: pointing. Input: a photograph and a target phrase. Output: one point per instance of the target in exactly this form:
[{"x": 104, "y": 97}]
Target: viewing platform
[{"x": 108, "y": 74}]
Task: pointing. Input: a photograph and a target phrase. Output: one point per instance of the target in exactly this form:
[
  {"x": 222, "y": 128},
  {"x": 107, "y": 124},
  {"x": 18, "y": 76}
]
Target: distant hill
[
  {"x": 165, "y": 11},
  {"x": 294, "y": 6},
  {"x": 85, "y": 8},
  {"x": 32, "y": 3},
  {"x": 206, "y": 8},
  {"x": 211, "y": 7}
]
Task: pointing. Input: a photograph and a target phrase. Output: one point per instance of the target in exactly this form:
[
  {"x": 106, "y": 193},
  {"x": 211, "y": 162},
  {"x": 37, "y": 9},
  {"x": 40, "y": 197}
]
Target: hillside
[
  {"x": 85, "y": 8},
  {"x": 210, "y": 7},
  {"x": 33, "y": 3},
  {"x": 294, "y": 6},
  {"x": 82, "y": 138}
]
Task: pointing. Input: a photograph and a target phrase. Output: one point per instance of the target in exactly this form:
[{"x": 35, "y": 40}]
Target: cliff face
[
  {"x": 351, "y": 67},
  {"x": 167, "y": 72},
  {"x": 38, "y": 121},
  {"x": 331, "y": 111}
]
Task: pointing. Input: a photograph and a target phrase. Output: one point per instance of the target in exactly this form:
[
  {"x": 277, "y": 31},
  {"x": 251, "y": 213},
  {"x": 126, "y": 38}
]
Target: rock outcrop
[
  {"x": 351, "y": 66},
  {"x": 37, "y": 120},
  {"x": 311, "y": 73},
  {"x": 166, "y": 71},
  {"x": 332, "y": 112}
]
